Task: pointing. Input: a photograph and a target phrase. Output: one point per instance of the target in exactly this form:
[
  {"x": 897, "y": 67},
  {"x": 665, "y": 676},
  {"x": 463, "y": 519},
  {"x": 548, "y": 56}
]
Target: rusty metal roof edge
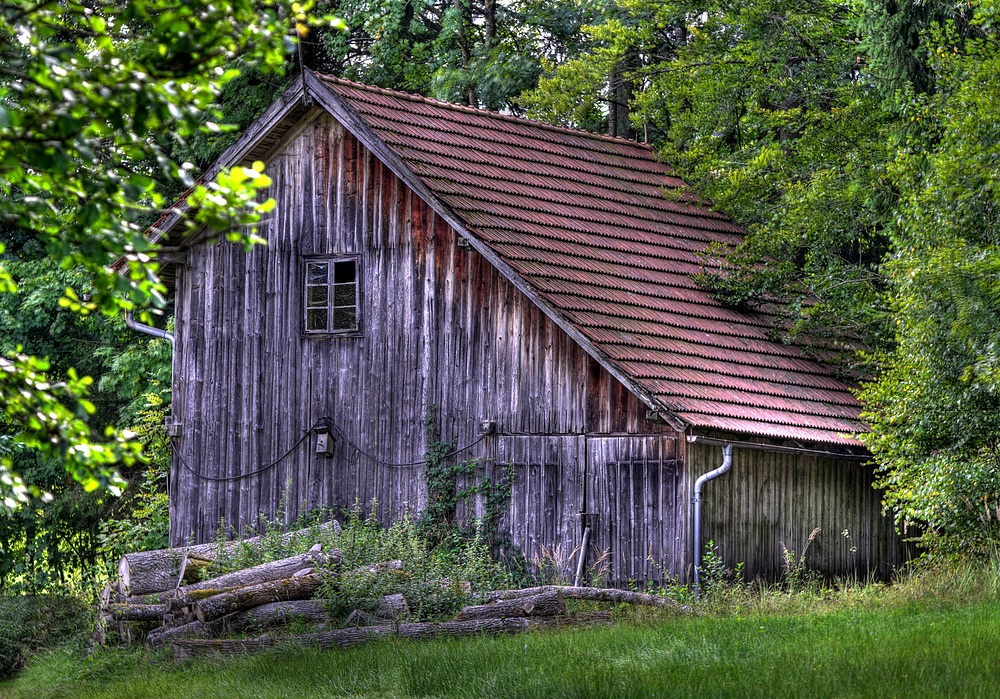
[
  {"x": 779, "y": 448},
  {"x": 355, "y": 123}
]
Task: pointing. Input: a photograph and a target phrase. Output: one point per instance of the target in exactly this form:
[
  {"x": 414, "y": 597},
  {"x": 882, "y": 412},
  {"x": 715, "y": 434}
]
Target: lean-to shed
[{"x": 531, "y": 285}]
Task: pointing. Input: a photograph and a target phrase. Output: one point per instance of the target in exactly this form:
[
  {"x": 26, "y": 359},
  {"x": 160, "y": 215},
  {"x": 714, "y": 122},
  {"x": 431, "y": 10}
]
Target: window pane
[
  {"x": 344, "y": 319},
  {"x": 316, "y": 273},
  {"x": 316, "y": 296},
  {"x": 316, "y": 319},
  {"x": 343, "y": 272},
  {"x": 345, "y": 295}
]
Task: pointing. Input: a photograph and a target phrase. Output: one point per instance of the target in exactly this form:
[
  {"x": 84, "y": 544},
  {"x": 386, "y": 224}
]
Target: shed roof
[
  {"x": 605, "y": 238},
  {"x": 610, "y": 238}
]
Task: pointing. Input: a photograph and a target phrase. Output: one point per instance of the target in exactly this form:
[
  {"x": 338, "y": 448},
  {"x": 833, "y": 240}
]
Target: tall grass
[
  {"x": 905, "y": 651},
  {"x": 935, "y": 633}
]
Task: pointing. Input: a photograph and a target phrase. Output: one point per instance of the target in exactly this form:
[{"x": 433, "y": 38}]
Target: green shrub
[
  {"x": 436, "y": 580},
  {"x": 31, "y": 623}
]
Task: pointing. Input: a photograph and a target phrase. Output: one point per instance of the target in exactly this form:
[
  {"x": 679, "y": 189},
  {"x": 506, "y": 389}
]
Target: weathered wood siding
[
  {"x": 439, "y": 327},
  {"x": 543, "y": 522},
  {"x": 636, "y": 510},
  {"x": 768, "y": 501}
]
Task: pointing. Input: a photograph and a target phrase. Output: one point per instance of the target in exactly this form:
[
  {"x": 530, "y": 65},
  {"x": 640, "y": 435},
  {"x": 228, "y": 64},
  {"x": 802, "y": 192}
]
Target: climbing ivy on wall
[{"x": 453, "y": 487}]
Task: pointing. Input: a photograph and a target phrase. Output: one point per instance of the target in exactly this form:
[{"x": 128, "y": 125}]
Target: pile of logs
[
  {"x": 158, "y": 596},
  {"x": 161, "y": 589},
  {"x": 508, "y": 611}
]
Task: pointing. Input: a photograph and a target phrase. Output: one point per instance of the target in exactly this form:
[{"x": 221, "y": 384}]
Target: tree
[
  {"x": 84, "y": 88},
  {"x": 935, "y": 408},
  {"x": 480, "y": 54},
  {"x": 49, "y": 544},
  {"x": 765, "y": 110}
]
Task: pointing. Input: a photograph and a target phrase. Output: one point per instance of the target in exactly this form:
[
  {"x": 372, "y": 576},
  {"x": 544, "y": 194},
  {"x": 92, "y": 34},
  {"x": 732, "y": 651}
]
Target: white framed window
[{"x": 332, "y": 296}]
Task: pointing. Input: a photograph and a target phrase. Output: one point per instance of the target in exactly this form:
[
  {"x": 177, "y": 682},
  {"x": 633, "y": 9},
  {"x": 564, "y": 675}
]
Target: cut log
[
  {"x": 376, "y": 568},
  {"x": 164, "y": 634},
  {"x": 145, "y": 572},
  {"x": 342, "y": 638},
  {"x": 548, "y": 603},
  {"x": 262, "y": 617},
  {"x": 276, "y": 614},
  {"x": 245, "y": 598},
  {"x": 103, "y": 618},
  {"x": 596, "y": 594},
  {"x": 191, "y": 568},
  {"x": 150, "y": 571},
  {"x": 393, "y": 608},
  {"x": 266, "y": 572},
  {"x": 124, "y": 611}
]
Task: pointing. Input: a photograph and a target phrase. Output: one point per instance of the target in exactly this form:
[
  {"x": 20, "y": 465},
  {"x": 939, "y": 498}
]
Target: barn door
[
  {"x": 543, "y": 521},
  {"x": 632, "y": 495}
]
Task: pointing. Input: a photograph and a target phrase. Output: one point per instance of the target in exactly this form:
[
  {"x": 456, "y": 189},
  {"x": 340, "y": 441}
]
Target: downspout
[
  {"x": 583, "y": 556},
  {"x": 727, "y": 461},
  {"x": 148, "y": 329}
]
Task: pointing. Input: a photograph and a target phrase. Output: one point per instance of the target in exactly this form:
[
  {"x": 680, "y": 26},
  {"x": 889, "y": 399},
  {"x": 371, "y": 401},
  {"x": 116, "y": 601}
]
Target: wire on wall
[
  {"x": 376, "y": 460},
  {"x": 323, "y": 422}
]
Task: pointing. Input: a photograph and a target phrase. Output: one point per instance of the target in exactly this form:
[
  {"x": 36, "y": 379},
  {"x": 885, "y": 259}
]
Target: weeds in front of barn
[{"x": 933, "y": 634}]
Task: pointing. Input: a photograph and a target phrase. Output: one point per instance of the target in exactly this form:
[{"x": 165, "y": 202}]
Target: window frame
[{"x": 331, "y": 260}]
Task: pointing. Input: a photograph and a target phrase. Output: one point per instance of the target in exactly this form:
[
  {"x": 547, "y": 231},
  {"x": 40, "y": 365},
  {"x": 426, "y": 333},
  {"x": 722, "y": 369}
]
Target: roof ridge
[{"x": 413, "y": 97}]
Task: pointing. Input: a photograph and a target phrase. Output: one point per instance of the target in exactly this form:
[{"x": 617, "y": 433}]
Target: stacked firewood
[
  {"x": 160, "y": 591},
  {"x": 207, "y": 616},
  {"x": 508, "y": 611}
]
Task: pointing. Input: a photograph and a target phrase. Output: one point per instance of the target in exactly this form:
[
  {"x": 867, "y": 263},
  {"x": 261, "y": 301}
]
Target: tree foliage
[
  {"x": 52, "y": 541},
  {"x": 856, "y": 142},
  {"x": 480, "y": 54},
  {"x": 88, "y": 92},
  {"x": 763, "y": 109},
  {"x": 935, "y": 407}
]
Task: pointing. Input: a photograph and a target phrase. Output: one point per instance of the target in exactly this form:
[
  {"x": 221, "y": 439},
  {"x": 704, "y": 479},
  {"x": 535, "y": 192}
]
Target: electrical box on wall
[
  {"x": 173, "y": 428},
  {"x": 324, "y": 443}
]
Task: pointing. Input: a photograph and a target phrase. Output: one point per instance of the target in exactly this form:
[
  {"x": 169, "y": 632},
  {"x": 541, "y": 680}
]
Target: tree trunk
[
  {"x": 489, "y": 23},
  {"x": 145, "y": 572},
  {"x": 548, "y": 603},
  {"x": 393, "y": 608},
  {"x": 126, "y": 611},
  {"x": 596, "y": 594},
  {"x": 262, "y": 617},
  {"x": 244, "y": 598},
  {"x": 342, "y": 638},
  {"x": 464, "y": 13},
  {"x": 266, "y": 572},
  {"x": 621, "y": 92},
  {"x": 150, "y": 571},
  {"x": 158, "y": 637}
]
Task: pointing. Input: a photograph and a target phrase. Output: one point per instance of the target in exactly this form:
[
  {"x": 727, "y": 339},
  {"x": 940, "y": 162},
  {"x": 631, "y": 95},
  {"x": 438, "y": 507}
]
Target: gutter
[
  {"x": 727, "y": 461},
  {"x": 148, "y": 329}
]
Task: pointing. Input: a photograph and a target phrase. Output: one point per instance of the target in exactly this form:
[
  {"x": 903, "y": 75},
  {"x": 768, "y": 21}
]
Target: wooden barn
[{"x": 530, "y": 285}]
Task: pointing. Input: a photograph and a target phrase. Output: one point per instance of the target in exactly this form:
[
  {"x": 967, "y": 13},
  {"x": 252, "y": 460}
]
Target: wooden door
[
  {"x": 632, "y": 500},
  {"x": 543, "y": 520}
]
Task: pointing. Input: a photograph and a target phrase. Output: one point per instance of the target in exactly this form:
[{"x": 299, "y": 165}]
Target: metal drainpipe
[
  {"x": 727, "y": 461},
  {"x": 583, "y": 556},
  {"x": 148, "y": 329}
]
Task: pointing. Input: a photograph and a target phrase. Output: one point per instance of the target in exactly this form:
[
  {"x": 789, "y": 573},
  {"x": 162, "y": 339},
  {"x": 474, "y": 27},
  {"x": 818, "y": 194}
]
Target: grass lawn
[{"x": 934, "y": 648}]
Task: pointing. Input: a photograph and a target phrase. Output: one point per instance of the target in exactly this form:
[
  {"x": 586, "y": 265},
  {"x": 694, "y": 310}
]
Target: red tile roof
[{"x": 608, "y": 236}]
